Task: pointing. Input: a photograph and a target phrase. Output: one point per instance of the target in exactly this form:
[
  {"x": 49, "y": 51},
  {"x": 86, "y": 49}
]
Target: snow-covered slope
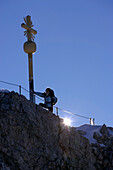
[{"x": 90, "y": 129}]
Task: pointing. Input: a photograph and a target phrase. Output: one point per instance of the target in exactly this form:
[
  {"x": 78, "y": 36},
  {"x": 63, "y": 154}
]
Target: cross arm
[{"x": 28, "y": 28}]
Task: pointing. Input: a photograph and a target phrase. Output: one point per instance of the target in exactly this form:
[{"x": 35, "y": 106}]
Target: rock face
[
  {"x": 32, "y": 138},
  {"x": 103, "y": 151}
]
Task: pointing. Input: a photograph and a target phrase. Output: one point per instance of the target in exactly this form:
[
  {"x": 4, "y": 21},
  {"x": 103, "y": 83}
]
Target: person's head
[{"x": 47, "y": 91}]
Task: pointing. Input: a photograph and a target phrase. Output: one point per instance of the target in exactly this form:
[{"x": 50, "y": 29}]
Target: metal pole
[
  {"x": 93, "y": 121},
  {"x": 57, "y": 111},
  {"x": 90, "y": 121},
  {"x": 31, "y": 82},
  {"x": 19, "y": 90},
  {"x": 31, "y": 86}
]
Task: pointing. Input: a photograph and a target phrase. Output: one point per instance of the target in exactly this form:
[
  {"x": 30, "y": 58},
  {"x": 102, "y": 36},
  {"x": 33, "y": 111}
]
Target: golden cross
[{"x": 29, "y": 30}]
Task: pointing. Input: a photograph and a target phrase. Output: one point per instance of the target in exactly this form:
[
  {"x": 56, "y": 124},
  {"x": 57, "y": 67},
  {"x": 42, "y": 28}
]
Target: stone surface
[
  {"x": 32, "y": 138},
  {"x": 104, "y": 150},
  {"x": 104, "y": 130}
]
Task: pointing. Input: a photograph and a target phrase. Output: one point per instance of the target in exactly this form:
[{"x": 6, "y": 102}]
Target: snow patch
[
  {"x": 90, "y": 129},
  {"x": 4, "y": 91},
  {"x": 110, "y": 132}
]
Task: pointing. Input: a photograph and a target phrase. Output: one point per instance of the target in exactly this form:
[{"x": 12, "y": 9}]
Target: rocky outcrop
[
  {"x": 103, "y": 150},
  {"x": 32, "y": 138}
]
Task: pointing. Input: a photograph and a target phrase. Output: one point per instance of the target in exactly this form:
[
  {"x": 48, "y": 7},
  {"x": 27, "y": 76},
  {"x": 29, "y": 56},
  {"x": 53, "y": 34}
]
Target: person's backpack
[{"x": 54, "y": 100}]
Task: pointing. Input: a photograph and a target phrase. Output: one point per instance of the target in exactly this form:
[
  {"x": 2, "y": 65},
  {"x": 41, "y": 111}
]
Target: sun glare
[{"x": 67, "y": 121}]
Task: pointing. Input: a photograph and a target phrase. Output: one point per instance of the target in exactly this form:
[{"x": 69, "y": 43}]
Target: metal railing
[{"x": 92, "y": 121}]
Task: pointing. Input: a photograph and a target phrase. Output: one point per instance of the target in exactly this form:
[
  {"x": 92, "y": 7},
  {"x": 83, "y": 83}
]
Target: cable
[
  {"x": 73, "y": 113},
  {"x": 38, "y": 97},
  {"x": 9, "y": 83},
  {"x": 43, "y": 100},
  {"x": 24, "y": 89},
  {"x": 33, "y": 94},
  {"x": 19, "y": 86}
]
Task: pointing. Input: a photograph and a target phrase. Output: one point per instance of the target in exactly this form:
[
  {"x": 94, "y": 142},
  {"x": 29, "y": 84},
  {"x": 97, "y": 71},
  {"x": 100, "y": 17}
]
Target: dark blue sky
[{"x": 74, "y": 53}]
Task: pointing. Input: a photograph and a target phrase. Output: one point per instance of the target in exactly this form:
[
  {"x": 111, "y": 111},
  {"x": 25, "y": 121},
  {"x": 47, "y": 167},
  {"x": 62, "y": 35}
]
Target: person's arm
[{"x": 40, "y": 94}]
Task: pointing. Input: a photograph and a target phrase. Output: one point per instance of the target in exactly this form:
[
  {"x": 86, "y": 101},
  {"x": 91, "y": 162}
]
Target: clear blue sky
[{"x": 74, "y": 53}]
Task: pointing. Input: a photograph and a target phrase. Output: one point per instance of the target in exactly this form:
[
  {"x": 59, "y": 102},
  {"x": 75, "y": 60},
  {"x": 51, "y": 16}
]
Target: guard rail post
[
  {"x": 93, "y": 121},
  {"x": 20, "y": 90},
  {"x": 90, "y": 121},
  {"x": 57, "y": 111}
]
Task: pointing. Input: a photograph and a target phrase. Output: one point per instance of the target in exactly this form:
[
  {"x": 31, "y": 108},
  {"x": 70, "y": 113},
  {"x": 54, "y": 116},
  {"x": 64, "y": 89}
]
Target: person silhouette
[{"x": 49, "y": 99}]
